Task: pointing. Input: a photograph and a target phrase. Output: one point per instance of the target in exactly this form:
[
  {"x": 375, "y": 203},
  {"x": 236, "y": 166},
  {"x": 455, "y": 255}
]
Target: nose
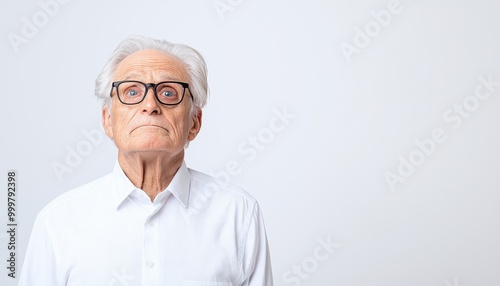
[{"x": 150, "y": 104}]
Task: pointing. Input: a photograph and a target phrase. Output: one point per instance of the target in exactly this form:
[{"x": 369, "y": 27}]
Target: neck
[{"x": 150, "y": 172}]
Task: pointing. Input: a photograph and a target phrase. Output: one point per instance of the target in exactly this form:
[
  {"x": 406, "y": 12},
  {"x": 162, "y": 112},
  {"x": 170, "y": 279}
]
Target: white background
[{"x": 323, "y": 176}]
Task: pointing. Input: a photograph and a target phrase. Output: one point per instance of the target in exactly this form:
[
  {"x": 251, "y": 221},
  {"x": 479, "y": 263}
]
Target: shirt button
[
  {"x": 151, "y": 224},
  {"x": 150, "y": 264}
]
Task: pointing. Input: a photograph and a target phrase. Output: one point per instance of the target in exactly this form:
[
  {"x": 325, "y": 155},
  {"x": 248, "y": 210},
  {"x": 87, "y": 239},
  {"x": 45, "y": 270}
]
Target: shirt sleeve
[
  {"x": 39, "y": 267},
  {"x": 256, "y": 256}
]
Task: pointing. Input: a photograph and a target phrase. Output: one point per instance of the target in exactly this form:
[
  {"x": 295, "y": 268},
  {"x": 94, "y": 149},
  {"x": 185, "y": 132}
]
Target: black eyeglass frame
[{"x": 185, "y": 85}]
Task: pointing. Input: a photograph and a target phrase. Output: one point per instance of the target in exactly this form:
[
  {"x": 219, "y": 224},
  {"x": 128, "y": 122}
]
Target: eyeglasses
[{"x": 132, "y": 92}]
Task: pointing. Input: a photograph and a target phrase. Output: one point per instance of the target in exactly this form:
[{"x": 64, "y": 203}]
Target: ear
[
  {"x": 196, "y": 125},
  {"x": 106, "y": 121}
]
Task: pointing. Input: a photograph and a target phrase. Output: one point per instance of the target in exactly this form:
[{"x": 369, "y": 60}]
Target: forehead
[{"x": 151, "y": 65}]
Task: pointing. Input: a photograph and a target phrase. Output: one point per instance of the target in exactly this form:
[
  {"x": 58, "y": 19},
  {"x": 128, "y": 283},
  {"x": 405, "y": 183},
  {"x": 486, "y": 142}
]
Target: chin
[
  {"x": 148, "y": 143},
  {"x": 155, "y": 147},
  {"x": 152, "y": 148}
]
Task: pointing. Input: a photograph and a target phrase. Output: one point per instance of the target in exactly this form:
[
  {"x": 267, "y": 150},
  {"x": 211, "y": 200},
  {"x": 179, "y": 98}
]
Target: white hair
[{"x": 195, "y": 66}]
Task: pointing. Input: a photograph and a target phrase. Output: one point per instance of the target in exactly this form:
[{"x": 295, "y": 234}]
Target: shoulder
[
  {"x": 205, "y": 187},
  {"x": 75, "y": 198}
]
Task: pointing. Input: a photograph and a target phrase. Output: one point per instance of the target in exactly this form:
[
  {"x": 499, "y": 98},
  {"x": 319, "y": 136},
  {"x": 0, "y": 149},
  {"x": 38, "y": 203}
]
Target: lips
[{"x": 150, "y": 126}]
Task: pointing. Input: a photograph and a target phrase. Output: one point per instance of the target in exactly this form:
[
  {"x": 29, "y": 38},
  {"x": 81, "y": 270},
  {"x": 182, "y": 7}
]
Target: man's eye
[
  {"x": 132, "y": 92},
  {"x": 168, "y": 93}
]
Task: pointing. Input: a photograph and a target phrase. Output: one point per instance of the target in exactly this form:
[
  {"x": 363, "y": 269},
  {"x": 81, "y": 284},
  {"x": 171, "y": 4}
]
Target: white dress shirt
[{"x": 107, "y": 232}]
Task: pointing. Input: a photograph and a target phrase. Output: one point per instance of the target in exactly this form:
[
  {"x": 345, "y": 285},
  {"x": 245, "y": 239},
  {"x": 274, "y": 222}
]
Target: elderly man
[{"x": 138, "y": 225}]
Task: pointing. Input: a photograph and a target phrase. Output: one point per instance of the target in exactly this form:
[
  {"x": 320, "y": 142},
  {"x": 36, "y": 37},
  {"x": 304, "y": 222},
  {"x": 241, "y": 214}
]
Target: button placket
[{"x": 151, "y": 271}]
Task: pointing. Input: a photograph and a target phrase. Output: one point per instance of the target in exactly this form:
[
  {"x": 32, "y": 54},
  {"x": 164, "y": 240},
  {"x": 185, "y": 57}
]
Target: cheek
[
  {"x": 176, "y": 118},
  {"x": 120, "y": 120},
  {"x": 186, "y": 124}
]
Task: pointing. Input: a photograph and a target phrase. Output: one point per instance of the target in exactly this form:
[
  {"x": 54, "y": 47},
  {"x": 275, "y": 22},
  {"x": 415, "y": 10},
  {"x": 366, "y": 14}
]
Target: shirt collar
[
  {"x": 179, "y": 186},
  {"x": 122, "y": 187}
]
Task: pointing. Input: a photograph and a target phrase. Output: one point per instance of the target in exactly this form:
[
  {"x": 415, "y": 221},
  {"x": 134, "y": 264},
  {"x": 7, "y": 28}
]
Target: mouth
[{"x": 150, "y": 126}]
